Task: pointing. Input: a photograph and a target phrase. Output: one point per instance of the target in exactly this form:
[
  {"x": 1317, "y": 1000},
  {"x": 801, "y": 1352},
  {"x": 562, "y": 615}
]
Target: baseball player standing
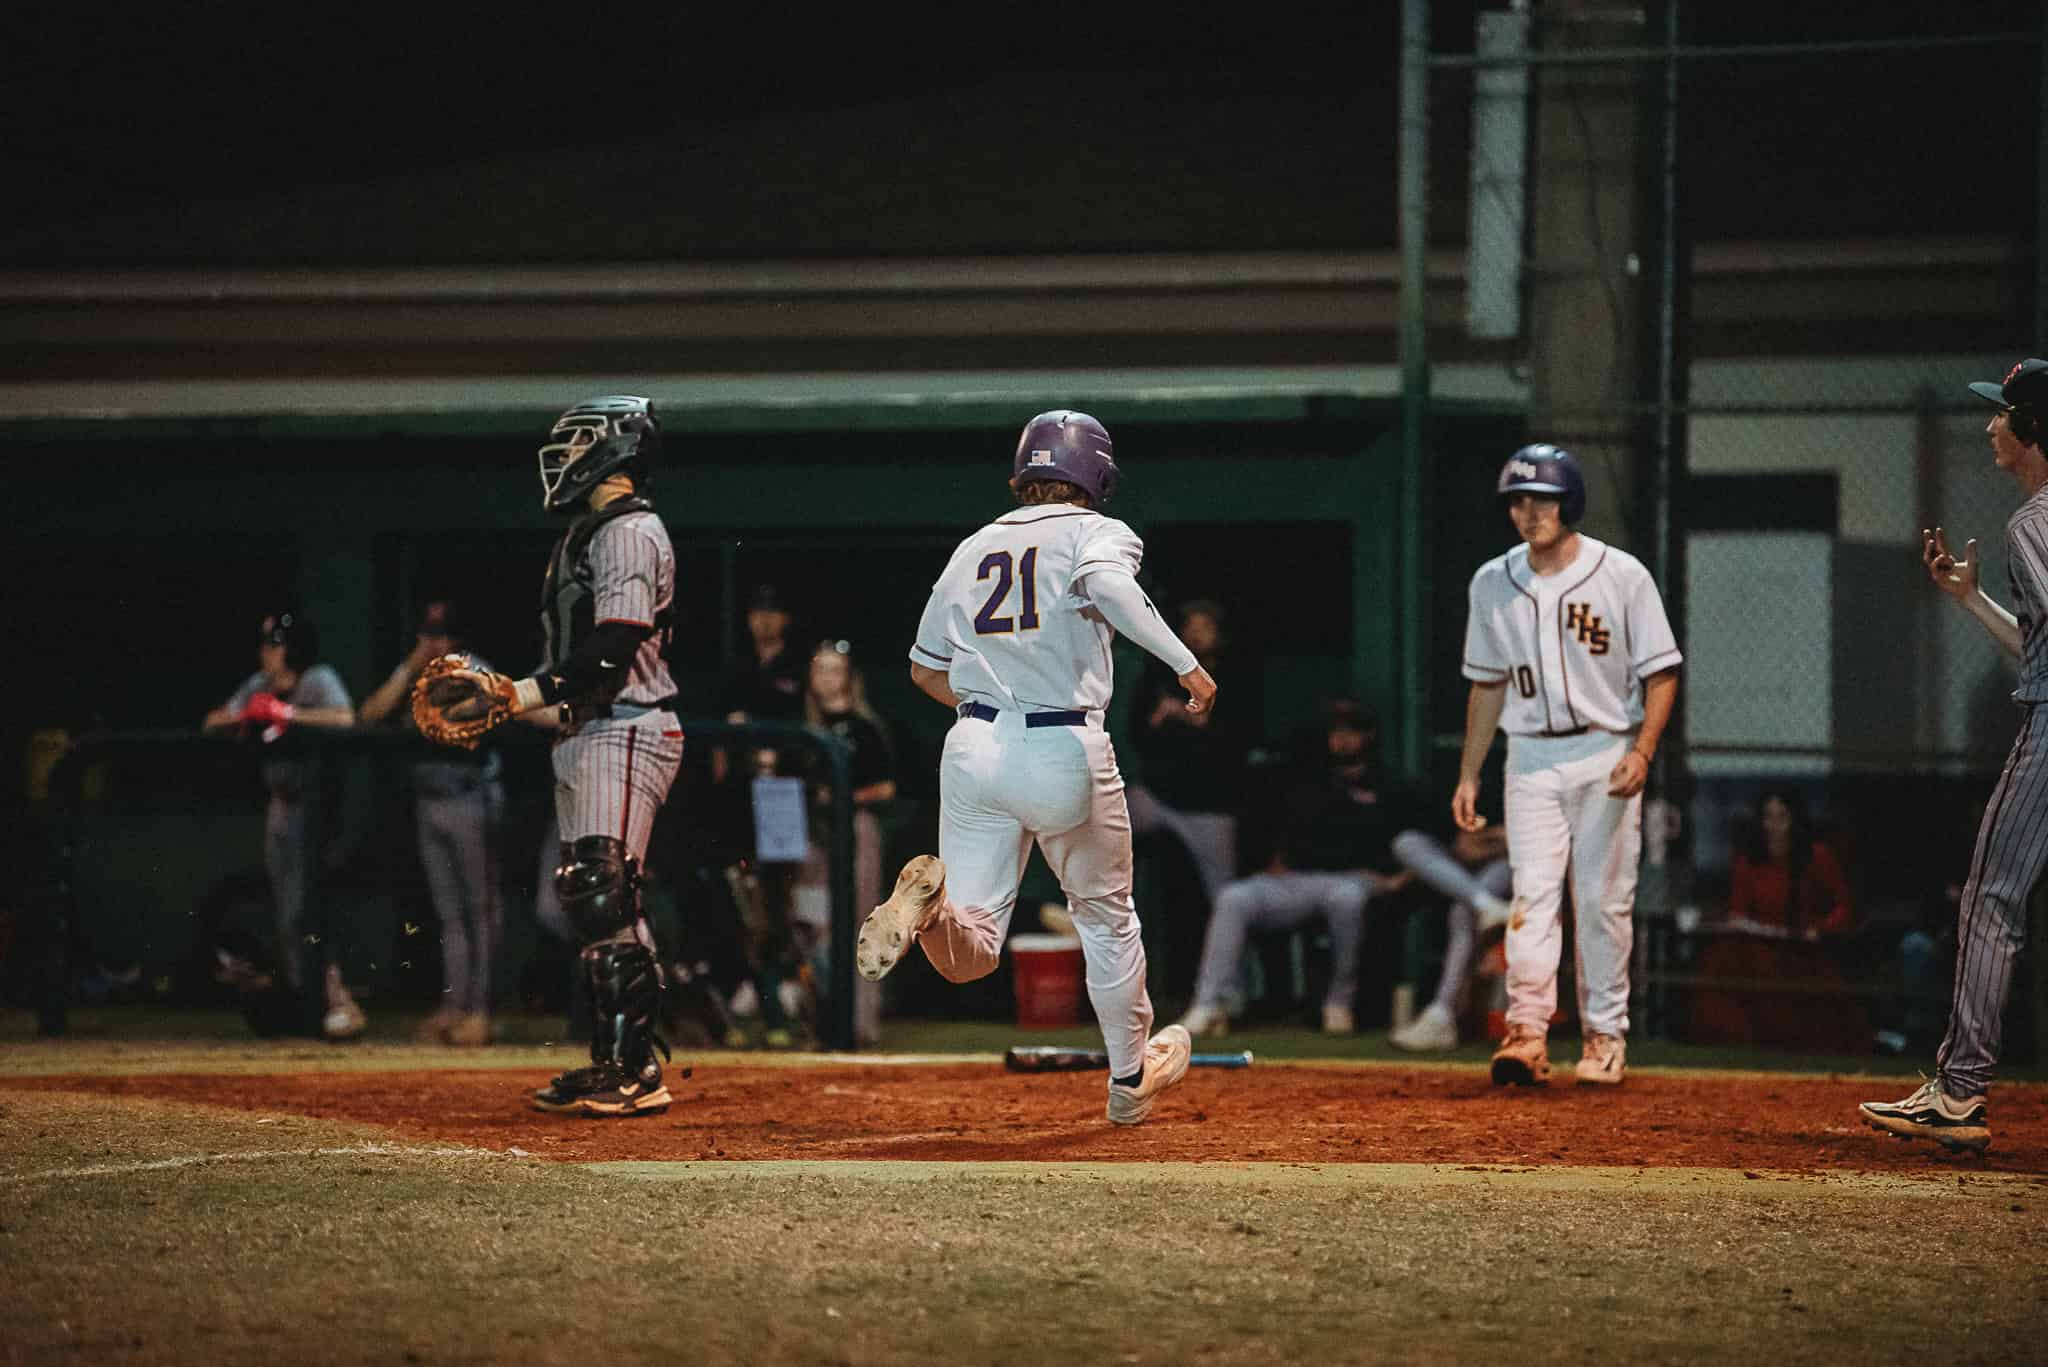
[
  {"x": 606, "y": 605},
  {"x": 2012, "y": 842},
  {"x": 1015, "y": 639},
  {"x": 1568, "y": 650}
]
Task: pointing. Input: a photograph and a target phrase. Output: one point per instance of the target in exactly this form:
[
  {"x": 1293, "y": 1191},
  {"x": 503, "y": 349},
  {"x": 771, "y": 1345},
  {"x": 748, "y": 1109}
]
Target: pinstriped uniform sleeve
[
  {"x": 1653, "y": 646},
  {"x": 2026, "y": 553},
  {"x": 1109, "y": 544},
  {"x": 1487, "y": 657},
  {"x": 626, "y": 572}
]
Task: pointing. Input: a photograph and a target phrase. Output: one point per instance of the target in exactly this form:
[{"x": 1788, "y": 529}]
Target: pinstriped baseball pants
[
  {"x": 1991, "y": 928},
  {"x": 612, "y": 775}
]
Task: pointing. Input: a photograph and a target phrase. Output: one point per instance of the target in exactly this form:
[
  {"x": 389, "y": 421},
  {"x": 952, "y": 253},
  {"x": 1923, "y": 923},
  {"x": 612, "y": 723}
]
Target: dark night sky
[{"x": 259, "y": 142}]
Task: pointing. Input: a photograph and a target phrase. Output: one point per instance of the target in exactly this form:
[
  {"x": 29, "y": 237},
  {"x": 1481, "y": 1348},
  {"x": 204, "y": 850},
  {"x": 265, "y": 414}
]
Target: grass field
[{"x": 135, "y": 1228}]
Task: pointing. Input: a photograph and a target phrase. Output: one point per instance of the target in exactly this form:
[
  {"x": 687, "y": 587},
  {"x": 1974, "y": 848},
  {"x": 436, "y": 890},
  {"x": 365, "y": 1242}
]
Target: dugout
[{"x": 169, "y": 537}]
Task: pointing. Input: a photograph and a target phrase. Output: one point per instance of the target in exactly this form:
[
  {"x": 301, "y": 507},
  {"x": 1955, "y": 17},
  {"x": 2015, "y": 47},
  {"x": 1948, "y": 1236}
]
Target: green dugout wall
[{"x": 1284, "y": 505}]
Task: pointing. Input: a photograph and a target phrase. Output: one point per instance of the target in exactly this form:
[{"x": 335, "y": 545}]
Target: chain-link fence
[{"x": 1746, "y": 271}]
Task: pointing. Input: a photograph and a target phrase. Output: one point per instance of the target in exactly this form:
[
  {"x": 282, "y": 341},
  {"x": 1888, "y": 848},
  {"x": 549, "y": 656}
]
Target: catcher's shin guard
[
  {"x": 625, "y": 995},
  {"x": 624, "y": 1076}
]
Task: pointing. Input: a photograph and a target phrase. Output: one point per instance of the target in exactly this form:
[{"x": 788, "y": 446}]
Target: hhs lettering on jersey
[{"x": 1581, "y": 618}]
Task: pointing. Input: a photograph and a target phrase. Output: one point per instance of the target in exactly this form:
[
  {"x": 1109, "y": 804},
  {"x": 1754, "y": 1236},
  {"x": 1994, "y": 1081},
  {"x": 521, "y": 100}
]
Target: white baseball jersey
[
  {"x": 1009, "y": 620},
  {"x": 1572, "y": 647}
]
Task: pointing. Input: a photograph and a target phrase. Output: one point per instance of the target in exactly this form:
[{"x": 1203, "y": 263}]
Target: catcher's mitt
[{"x": 457, "y": 705}]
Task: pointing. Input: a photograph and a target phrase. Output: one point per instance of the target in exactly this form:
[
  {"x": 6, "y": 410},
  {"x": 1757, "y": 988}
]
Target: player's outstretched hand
[
  {"x": 1629, "y": 776},
  {"x": 1201, "y": 689},
  {"x": 1465, "y": 806},
  {"x": 1956, "y": 578}
]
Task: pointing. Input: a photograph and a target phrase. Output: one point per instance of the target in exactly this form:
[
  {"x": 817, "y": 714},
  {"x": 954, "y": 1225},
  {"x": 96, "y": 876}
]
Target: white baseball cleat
[
  {"x": 1435, "y": 1031},
  {"x": 1338, "y": 1020},
  {"x": 887, "y": 934},
  {"x": 1206, "y": 1020},
  {"x": 1603, "y": 1060},
  {"x": 1166, "y": 1063}
]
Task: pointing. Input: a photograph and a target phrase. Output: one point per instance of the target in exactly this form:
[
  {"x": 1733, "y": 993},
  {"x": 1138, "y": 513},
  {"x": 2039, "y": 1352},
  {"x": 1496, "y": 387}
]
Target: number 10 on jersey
[{"x": 997, "y": 564}]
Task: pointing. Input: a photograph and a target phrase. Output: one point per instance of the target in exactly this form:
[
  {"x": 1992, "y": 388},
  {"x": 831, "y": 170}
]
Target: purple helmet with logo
[
  {"x": 1546, "y": 469},
  {"x": 1064, "y": 444}
]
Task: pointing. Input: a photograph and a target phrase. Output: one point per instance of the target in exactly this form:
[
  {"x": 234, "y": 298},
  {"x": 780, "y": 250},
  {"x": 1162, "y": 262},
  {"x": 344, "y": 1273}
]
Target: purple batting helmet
[
  {"x": 1064, "y": 444},
  {"x": 1546, "y": 469}
]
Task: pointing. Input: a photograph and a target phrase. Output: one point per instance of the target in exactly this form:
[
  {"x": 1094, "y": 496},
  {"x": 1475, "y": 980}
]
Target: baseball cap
[
  {"x": 2026, "y": 384},
  {"x": 765, "y": 598}
]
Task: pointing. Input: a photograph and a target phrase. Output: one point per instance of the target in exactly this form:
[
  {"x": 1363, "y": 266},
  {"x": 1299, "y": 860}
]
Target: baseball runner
[
  {"x": 1570, "y": 652},
  {"x": 2012, "y": 842},
  {"x": 605, "y": 618},
  {"x": 458, "y": 806},
  {"x": 290, "y": 688},
  {"x": 1015, "y": 639}
]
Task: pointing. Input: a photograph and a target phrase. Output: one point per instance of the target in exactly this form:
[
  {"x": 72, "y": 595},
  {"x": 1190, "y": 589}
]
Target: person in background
[
  {"x": 1332, "y": 854},
  {"x": 1193, "y": 762},
  {"x": 766, "y": 686},
  {"x": 459, "y": 805},
  {"x": 1785, "y": 878},
  {"x": 836, "y": 700},
  {"x": 1786, "y": 891},
  {"x": 1473, "y": 873},
  {"x": 291, "y": 688}
]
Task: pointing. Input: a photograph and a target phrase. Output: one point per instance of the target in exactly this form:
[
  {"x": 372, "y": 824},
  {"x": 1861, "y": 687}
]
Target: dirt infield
[{"x": 1269, "y": 1113}]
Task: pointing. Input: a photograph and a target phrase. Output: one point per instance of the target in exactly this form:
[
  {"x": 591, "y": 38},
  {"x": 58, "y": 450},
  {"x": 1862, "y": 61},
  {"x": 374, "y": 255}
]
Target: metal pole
[
  {"x": 1414, "y": 342},
  {"x": 2041, "y": 193},
  {"x": 839, "y": 1029}
]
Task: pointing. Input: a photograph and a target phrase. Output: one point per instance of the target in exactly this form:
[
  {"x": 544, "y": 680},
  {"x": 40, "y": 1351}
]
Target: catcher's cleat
[
  {"x": 604, "y": 1089},
  {"x": 886, "y": 935},
  {"x": 1933, "y": 1115},
  {"x": 1523, "y": 1059},
  {"x": 1603, "y": 1060},
  {"x": 1166, "y": 1063}
]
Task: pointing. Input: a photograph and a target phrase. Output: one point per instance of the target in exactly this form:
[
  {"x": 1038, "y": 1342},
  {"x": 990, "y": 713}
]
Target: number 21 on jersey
[{"x": 997, "y": 565}]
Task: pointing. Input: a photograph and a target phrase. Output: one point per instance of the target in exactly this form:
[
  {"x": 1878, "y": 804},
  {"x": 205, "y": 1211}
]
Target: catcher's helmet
[
  {"x": 1071, "y": 446},
  {"x": 1546, "y": 469},
  {"x": 596, "y": 439},
  {"x": 294, "y": 631}
]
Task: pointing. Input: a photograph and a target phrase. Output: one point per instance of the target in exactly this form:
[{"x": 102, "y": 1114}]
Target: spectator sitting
[
  {"x": 1474, "y": 874},
  {"x": 1786, "y": 881},
  {"x": 1326, "y": 863},
  {"x": 1786, "y": 891}
]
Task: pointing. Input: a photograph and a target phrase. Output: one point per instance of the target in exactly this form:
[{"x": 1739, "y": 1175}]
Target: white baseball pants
[
  {"x": 1560, "y": 819},
  {"x": 1003, "y": 785}
]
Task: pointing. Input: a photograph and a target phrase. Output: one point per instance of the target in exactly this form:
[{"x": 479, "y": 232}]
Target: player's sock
[{"x": 1133, "y": 1080}]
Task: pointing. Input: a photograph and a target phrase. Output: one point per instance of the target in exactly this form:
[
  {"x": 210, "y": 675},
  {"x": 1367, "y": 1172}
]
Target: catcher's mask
[{"x": 594, "y": 440}]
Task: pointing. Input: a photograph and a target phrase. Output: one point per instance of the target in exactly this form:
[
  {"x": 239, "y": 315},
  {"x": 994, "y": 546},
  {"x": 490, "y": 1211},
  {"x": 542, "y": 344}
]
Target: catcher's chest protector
[{"x": 567, "y": 604}]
